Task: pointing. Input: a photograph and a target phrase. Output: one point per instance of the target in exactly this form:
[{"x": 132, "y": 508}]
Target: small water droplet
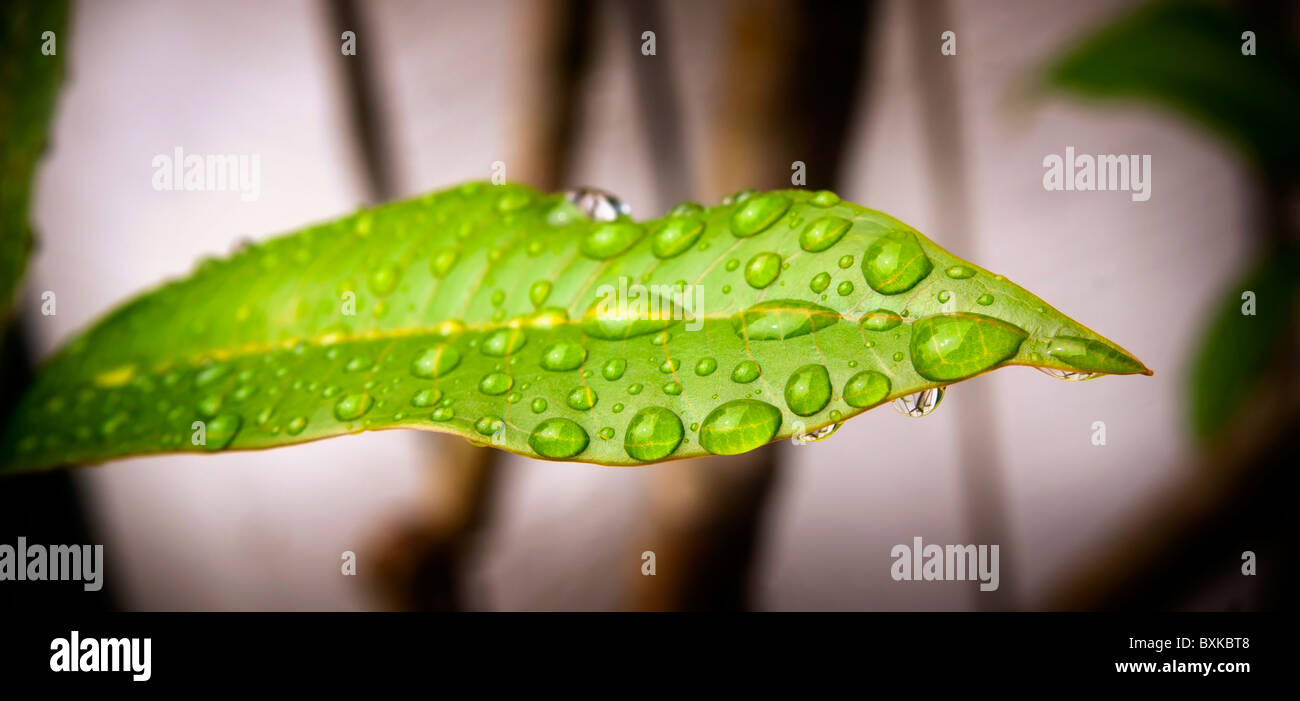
[
  {"x": 820, "y": 282},
  {"x": 820, "y": 434},
  {"x": 613, "y": 369},
  {"x": 762, "y": 270},
  {"x": 495, "y": 383},
  {"x": 435, "y": 362},
  {"x": 845, "y": 288},
  {"x": 353, "y": 406},
  {"x": 757, "y": 213},
  {"x": 563, "y": 357},
  {"x": 296, "y": 425},
  {"x": 581, "y": 398},
  {"x": 745, "y": 372},
  {"x": 672, "y": 388},
  {"x": 961, "y": 272},
  {"x": 706, "y": 366},
  {"x": 984, "y": 300},
  {"x": 539, "y": 405},
  {"x": 943, "y": 296},
  {"x": 822, "y": 233},
  {"x": 539, "y": 291},
  {"x": 426, "y": 397}
]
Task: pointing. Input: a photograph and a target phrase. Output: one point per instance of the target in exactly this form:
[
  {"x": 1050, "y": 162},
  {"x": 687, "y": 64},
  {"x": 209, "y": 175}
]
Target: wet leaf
[{"x": 506, "y": 316}]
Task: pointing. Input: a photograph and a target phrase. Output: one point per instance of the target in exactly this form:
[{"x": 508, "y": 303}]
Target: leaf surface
[{"x": 506, "y": 316}]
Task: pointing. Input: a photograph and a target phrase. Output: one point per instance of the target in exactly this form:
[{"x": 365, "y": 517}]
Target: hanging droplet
[
  {"x": 1068, "y": 375},
  {"x": 922, "y": 403},
  {"x": 820, "y": 434}
]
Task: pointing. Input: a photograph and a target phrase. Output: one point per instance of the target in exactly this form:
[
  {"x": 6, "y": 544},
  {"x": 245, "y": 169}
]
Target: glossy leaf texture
[
  {"x": 29, "y": 81},
  {"x": 508, "y": 317}
]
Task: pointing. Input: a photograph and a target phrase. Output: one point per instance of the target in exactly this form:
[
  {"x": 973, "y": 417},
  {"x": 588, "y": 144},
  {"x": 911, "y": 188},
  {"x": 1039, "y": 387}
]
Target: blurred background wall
[{"x": 265, "y": 530}]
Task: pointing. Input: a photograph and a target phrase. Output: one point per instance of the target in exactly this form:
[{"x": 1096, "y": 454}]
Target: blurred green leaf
[
  {"x": 29, "y": 82},
  {"x": 1237, "y": 349},
  {"x": 1187, "y": 56}
]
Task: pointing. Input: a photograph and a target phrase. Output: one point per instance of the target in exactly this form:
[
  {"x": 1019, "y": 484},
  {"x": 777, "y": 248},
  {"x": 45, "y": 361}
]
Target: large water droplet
[
  {"x": 706, "y": 366},
  {"x": 947, "y": 347},
  {"x": 653, "y": 434},
  {"x": 780, "y": 319},
  {"x": 581, "y": 398},
  {"x": 221, "y": 431},
  {"x": 922, "y": 403},
  {"x": 757, "y": 213},
  {"x": 675, "y": 236},
  {"x": 613, "y": 369},
  {"x": 894, "y": 263},
  {"x": 762, "y": 270},
  {"x": 495, "y": 383},
  {"x": 808, "y": 390},
  {"x": 823, "y": 232},
  {"x": 503, "y": 342},
  {"x": 880, "y": 320},
  {"x": 435, "y": 361},
  {"x": 563, "y": 356},
  {"x": 1094, "y": 356},
  {"x": 558, "y": 438},
  {"x": 610, "y": 239},
  {"x": 865, "y": 389},
  {"x": 738, "y": 426}
]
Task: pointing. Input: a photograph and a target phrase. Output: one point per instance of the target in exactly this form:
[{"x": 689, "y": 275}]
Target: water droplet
[
  {"x": 683, "y": 209},
  {"x": 672, "y": 388},
  {"x": 985, "y": 299},
  {"x": 898, "y": 356},
  {"x": 676, "y": 236},
  {"x": 652, "y": 434},
  {"x": 442, "y": 262},
  {"x": 757, "y": 213},
  {"x": 670, "y": 365},
  {"x": 539, "y": 291},
  {"x": 820, "y": 282},
  {"x": 617, "y": 408},
  {"x": 781, "y": 319},
  {"x": 426, "y": 397},
  {"x": 296, "y": 425},
  {"x": 383, "y": 280},
  {"x": 597, "y": 205},
  {"x": 207, "y": 375},
  {"x": 558, "y": 438},
  {"x": 610, "y": 239},
  {"x": 353, "y": 406},
  {"x": 822, "y": 233},
  {"x": 922, "y": 403},
  {"x": 706, "y": 366},
  {"x": 961, "y": 272},
  {"x": 634, "y": 388},
  {"x": 581, "y": 398},
  {"x": 880, "y": 320},
  {"x": 1068, "y": 375},
  {"x": 488, "y": 424},
  {"x": 1093, "y": 356},
  {"x": 808, "y": 390},
  {"x": 563, "y": 356},
  {"x": 947, "y": 347},
  {"x": 435, "y": 361},
  {"x": 498, "y": 298},
  {"x": 221, "y": 431},
  {"x": 762, "y": 270},
  {"x": 613, "y": 369},
  {"x": 539, "y": 405},
  {"x": 503, "y": 342},
  {"x": 845, "y": 288},
  {"x": 604, "y": 319},
  {"x": 358, "y": 364},
  {"x": 820, "y": 434},
  {"x": 845, "y": 262},
  {"x": 510, "y": 201},
  {"x": 825, "y": 198},
  {"x": 894, "y": 263},
  {"x": 495, "y": 383},
  {"x": 745, "y": 372},
  {"x": 607, "y": 433},
  {"x": 943, "y": 296},
  {"x": 442, "y": 414},
  {"x": 738, "y": 426},
  {"x": 866, "y": 388}
]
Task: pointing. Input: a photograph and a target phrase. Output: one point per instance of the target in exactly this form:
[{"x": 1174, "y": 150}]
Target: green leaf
[
  {"x": 1236, "y": 349},
  {"x": 1187, "y": 56},
  {"x": 506, "y": 316},
  {"x": 29, "y": 81}
]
